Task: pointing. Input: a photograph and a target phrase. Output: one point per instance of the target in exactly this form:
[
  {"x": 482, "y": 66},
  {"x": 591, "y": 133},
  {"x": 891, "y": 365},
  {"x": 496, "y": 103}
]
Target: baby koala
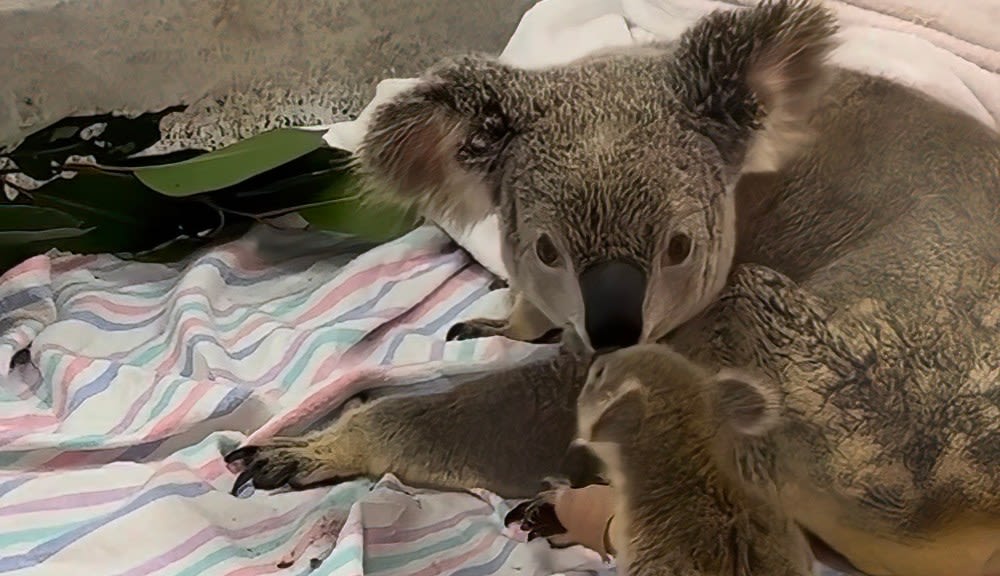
[{"x": 680, "y": 446}]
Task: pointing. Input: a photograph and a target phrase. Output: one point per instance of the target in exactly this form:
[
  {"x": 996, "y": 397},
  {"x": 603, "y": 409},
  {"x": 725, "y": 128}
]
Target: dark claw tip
[
  {"x": 516, "y": 514},
  {"x": 244, "y": 453},
  {"x": 455, "y": 332},
  {"x": 245, "y": 477}
]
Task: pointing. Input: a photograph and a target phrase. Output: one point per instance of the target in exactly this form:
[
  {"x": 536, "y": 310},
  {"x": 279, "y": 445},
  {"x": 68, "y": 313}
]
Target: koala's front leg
[
  {"x": 525, "y": 323},
  {"x": 503, "y": 431}
]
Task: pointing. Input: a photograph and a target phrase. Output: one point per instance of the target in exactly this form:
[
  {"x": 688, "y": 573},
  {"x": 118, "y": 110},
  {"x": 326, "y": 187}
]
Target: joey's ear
[
  {"x": 752, "y": 77},
  {"x": 747, "y": 406},
  {"x": 436, "y": 146},
  {"x": 622, "y": 414}
]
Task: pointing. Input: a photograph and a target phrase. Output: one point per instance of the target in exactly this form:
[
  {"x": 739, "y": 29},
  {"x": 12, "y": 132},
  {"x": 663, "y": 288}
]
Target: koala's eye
[
  {"x": 546, "y": 251},
  {"x": 678, "y": 249}
]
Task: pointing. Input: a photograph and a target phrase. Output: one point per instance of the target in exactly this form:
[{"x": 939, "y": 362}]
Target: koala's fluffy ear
[
  {"x": 436, "y": 145},
  {"x": 622, "y": 413},
  {"x": 746, "y": 406},
  {"x": 751, "y": 78}
]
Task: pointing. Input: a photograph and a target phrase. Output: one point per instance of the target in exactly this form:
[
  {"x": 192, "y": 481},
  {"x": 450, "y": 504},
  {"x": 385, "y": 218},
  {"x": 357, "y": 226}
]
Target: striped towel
[{"x": 121, "y": 384}]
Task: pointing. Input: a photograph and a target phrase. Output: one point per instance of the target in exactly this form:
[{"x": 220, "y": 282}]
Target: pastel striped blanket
[{"x": 139, "y": 376}]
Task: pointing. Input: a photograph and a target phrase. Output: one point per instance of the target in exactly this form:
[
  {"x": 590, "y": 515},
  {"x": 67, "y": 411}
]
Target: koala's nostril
[{"x": 613, "y": 294}]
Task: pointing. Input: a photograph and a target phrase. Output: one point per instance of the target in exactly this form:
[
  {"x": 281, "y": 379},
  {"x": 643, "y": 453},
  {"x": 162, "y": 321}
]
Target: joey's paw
[
  {"x": 569, "y": 516},
  {"x": 279, "y": 463},
  {"x": 477, "y": 328},
  {"x": 538, "y": 517}
]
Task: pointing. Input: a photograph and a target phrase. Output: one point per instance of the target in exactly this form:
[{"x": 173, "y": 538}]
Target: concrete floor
[{"x": 243, "y": 66}]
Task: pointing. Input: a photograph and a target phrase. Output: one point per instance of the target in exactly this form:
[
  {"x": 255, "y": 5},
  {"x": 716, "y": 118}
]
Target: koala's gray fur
[
  {"x": 566, "y": 157},
  {"x": 862, "y": 274}
]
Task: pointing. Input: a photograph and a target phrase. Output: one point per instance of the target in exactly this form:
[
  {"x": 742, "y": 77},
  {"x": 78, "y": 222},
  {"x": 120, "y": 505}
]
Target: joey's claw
[
  {"x": 478, "y": 328},
  {"x": 536, "y": 517}
]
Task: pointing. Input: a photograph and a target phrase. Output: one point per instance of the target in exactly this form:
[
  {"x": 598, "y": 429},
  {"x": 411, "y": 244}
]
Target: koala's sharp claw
[
  {"x": 456, "y": 332},
  {"x": 537, "y": 517},
  {"x": 244, "y": 453},
  {"x": 553, "y": 336},
  {"x": 272, "y": 477},
  {"x": 273, "y": 465},
  {"x": 477, "y": 328},
  {"x": 245, "y": 477},
  {"x": 516, "y": 514}
]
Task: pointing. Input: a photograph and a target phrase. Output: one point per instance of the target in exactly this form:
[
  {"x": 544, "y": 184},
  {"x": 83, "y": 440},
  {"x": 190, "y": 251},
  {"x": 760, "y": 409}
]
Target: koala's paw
[
  {"x": 283, "y": 462},
  {"x": 538, "y": 516},
  {"x": 478, "y": 328},
  {"x": 486, "y": 327}
]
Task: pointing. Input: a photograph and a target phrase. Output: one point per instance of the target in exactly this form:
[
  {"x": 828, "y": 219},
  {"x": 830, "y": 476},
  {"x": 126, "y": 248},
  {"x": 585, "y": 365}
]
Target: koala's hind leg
[
  {"x": 525, "y": 323},
  {"x": 503, "y": 431}
]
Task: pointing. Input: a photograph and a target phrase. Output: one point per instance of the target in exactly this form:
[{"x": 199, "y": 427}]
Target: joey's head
[
  {"x": 612, "y": 177},
  {"x": 651, "y": 391}
]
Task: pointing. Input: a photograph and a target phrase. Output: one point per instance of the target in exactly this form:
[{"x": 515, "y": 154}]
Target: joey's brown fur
[
  {"x": 834, "y": 233},
  {"x": 674, "y": 439}
]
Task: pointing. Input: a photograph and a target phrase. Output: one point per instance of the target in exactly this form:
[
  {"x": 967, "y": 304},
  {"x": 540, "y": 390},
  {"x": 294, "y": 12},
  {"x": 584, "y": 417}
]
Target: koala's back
[
  {"x": 893, "y": 217},
  {"x": 898, "y": 199}
]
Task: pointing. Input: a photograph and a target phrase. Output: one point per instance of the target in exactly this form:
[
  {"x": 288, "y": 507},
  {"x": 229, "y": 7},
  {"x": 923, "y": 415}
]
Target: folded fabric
[{"x": 124, "y": 384}]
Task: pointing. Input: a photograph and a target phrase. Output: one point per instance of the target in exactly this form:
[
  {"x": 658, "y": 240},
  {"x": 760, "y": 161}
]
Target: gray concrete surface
[{"x": 242, "y": 66}]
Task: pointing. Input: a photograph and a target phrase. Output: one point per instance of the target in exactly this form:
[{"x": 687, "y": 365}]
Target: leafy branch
[{"x": 163, "y": 207}]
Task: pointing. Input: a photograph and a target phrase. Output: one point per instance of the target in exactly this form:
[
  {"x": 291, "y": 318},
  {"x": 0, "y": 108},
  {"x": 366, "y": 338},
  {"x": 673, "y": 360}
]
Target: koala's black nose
[{"x": 613, "y": 294}]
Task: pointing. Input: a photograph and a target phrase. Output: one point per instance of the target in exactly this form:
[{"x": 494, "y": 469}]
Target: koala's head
[
  {"x": 651, "y": 385},
  {"x": 612, "y": 177}
]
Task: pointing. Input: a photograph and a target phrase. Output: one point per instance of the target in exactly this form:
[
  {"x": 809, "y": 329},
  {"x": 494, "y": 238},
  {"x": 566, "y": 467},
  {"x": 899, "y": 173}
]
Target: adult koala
[{"x": 734, "y": 196}]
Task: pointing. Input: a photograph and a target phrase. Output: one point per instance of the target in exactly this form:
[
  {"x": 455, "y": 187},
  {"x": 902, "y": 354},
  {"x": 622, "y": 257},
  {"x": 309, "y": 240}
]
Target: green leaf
[
  {"x": 122, "y": 214},
  {"x": 350, "y": 215},
  {"x": 231, "y": 165},
  {"x": 43, "y": 153},
  {"x": 10, "y": 238},
  {"x": 315, "y": 179},
  {"x": 19, "y": 217}
]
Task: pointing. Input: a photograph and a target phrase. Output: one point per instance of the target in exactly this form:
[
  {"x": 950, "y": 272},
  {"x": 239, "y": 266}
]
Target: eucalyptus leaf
[
  {"x": 232, "y": 164},
  {"x": 314, "y": 179},
  {"x": 42, "y": 154},
  {"x": 351, "y": 215},
  {"x": 124, "y": 215},
  {"x": 20, "y": 237},
  {"x": 17, "y": 217}
]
